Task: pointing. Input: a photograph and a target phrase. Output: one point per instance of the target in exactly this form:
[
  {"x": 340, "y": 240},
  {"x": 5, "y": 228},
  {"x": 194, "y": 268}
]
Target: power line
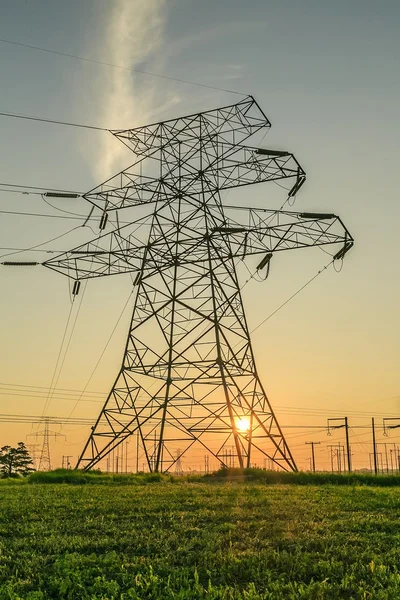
[
  {"x": 107, "y": 64},
  {"x": 67, "y": 212},
  {"x": 18, "y": 250},
  {"x": 41, "y": 244},
  {"x": 19, "y": 192},
  {"x": 42, "y": 396},
  {"x": 43, "y": 387},
  {"x": 51, "y": 394},
  {"x": 320, "y": 411},
  {"x": 102, "y": 354},
  {"x": 54, "y": 121},
  {"x": 291, "y": 297},
  {"x": 77, "y": 395},
  {"x": 27, "y": 214},
  {"x": 33, "y": 187},
  {"x": 74, "y": 392},
  {"x": 10, "y": 418},
  {"x": 51, "y": 388},
  {"x": 15, "y": 418}
]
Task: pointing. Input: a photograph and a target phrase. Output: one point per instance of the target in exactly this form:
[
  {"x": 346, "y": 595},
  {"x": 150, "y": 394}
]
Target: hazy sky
[{"x": 327, "y": 76}]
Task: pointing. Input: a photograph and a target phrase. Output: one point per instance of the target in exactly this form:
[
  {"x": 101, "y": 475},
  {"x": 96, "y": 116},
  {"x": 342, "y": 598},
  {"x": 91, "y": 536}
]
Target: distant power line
[
  {"x": 107, "y": 64},
  {"x": 33, "y": 187},
  {"x": 54, "y": 121},
  {"x": 16, "y": 418}
]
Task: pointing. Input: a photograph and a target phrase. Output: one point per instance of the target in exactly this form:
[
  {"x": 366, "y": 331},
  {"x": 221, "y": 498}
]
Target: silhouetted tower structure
[
  {"x": 188, "y": 374},
  {"x": 44, "y": 460},
  {"x": 178, "y": 462},
  {"x": 44, "y": 463}
]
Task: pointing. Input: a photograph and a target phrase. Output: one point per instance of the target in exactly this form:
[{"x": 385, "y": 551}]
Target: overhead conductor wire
[{"x": 107, "y": 64}]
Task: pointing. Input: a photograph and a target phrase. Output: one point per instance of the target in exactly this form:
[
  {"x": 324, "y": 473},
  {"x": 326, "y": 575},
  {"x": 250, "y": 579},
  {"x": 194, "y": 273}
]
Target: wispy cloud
[
  {"x": 133, "y": 36},
  {"x": 211, "y": 35}
]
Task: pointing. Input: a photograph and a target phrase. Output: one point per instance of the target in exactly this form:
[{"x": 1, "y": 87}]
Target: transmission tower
[
  {"x": 178, "y": 462},
  {"x": 44, "y": 463},
  {"x": 188, "y": 375}
]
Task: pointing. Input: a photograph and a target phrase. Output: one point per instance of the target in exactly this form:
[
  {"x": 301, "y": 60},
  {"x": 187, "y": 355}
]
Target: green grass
[
  {"x": 96, "y": 477},
  {"x": 242, "y": 475},
  {"x": 219, "y": 540}
]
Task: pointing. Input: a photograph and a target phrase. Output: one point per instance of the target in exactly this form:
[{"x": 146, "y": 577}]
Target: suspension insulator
[
  {"x": 300, "y": 180},
  {"x": 265, "y": 261},
  {"x": 60, "y": 195},
  {"x": 12, "y": 263},
  {"x": 76, "y": 288},
  {"x": 343, "y": 251},
  {"x": 272, "y": 152},
  {"x": 103, "y": 220},
  {"x": 314, "y": 215}
]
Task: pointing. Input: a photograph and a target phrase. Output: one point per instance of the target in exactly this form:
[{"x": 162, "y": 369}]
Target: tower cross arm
[
  {"x": 238, "y": 165},
  {"x": 108, "y": 255},
  {"x": 226, "y": 166},
  {"x": 281, "y": 230}
]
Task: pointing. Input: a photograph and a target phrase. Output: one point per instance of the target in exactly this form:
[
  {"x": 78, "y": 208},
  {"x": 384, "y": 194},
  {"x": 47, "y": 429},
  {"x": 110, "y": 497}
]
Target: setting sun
[{"x": 243, "y": 424}]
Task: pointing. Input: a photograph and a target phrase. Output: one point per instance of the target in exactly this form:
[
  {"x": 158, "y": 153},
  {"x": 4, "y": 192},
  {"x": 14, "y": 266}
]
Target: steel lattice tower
[
  {"x": 188, "y": 374},
  {"x": 44, "y": 461},
  {"x": 44, "y": 458}
]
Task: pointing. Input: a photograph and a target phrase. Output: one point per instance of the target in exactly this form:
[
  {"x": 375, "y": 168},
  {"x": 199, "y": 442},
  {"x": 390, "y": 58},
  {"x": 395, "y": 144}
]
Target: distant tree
[{"x": 15, "y": 461}]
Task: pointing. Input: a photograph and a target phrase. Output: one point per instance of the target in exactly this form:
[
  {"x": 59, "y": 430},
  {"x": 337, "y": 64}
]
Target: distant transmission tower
[
  {"x": 44, "y": 463},
  {"x": 178, "y": 462},
  {"x": 188, "y": 375}
]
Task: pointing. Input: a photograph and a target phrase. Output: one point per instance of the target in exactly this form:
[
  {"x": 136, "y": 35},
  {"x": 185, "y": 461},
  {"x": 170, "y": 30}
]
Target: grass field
[{"x": 181, "y": 540}]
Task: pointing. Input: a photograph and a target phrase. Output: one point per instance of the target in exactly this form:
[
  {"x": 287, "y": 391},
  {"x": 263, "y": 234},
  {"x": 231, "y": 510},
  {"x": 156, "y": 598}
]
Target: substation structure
[{"x": 188, "y": 375}]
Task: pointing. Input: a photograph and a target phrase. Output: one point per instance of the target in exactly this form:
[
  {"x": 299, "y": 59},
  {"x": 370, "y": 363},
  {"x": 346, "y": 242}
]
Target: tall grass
[
  {"x": 260, "y": 476},
  {"x": 95, "y": 477},
  {"x": 302, "y": 478}
]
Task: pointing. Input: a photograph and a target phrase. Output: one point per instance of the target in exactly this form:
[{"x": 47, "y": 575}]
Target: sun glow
[{"x": 243, "y": 424}]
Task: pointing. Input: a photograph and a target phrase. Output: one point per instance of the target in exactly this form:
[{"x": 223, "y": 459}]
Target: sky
[{"x": 326, "y": 75}]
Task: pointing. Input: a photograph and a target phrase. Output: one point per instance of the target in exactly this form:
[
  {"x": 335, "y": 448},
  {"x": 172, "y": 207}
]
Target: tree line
[{"x": 15, "y": 462}]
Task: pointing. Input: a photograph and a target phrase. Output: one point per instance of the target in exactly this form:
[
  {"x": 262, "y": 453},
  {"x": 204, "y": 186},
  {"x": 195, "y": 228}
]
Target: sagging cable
[{"x": 88, "y": 217}]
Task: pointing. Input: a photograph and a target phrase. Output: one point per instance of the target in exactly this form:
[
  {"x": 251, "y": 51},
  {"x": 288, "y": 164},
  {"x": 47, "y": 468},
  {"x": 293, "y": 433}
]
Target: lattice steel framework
[{"x": 188, "y": 374}]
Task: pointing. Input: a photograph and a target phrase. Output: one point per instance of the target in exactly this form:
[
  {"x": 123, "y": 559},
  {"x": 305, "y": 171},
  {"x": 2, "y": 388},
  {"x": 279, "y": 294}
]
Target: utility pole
[
  {"x": 65, "y": 462},
  {"x": 137, "y": 452},
  {"x": 374, "y": 447},
  {"x": 344, "y": 424},
  {"x": 395, "y": 424},
  {"x": 312, "y": 444},
  {"x": 206, "y": 463},
  {"x": 391, "y": 450},
  {"x": 386, "y": 458},
  {"x": 126, "y": 456},
  {"x": 336, "y": 450}
]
